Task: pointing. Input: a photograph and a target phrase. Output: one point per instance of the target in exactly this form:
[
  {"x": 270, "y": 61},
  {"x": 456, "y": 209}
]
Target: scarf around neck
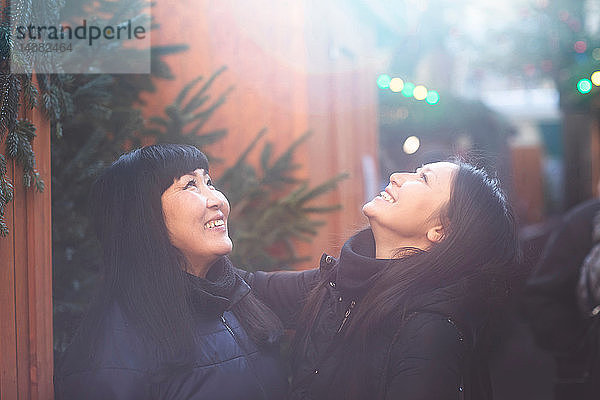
[{"x": 219, "y": 291}]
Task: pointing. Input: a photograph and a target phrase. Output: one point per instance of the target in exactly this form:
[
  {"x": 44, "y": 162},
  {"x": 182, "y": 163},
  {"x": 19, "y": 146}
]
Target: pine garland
[
  {"x": 17, "y": 135},
  {"x": 17, "y": 92}
]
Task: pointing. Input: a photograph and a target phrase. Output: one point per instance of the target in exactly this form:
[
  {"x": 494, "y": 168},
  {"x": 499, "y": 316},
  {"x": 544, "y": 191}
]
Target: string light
[
  {"x": 383, "y": 81},
  {"x": 584, "y": 86},
  {"x": 396, "y": 85},
  {"x": 596, "y": 78},
  {"x": 420, "y": 92},
  {"x": 408, "y": 89},
  {"x": 432, "y": 97}
]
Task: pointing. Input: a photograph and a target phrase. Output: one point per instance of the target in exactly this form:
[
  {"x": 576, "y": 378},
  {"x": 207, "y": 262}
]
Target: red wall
[{"x": 278, "y": 60}]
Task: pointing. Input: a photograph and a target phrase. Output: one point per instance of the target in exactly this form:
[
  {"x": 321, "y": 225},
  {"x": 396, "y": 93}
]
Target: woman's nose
[
  {"x": 213, "y": 201},
  {"x": 397, "y": 178}
]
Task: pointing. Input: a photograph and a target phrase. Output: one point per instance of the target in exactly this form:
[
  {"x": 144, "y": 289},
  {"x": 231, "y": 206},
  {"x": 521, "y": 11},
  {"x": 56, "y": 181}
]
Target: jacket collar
[{"x": 357, "y": 265}]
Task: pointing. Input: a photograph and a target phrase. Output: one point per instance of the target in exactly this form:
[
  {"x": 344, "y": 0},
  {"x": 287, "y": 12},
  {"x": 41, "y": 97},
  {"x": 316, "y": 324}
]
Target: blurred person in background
[
  {"x": 408, "y": 310},
  {"x": 172, "y": 319},
  {"x": 561, "y": 302}
]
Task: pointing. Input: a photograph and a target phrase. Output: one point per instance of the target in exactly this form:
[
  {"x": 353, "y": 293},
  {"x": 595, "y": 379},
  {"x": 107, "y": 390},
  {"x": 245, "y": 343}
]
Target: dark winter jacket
[
  {"x": 427, "y": 356},
  {"x": 226, "y": 363},
  {"x": 551, "y": 305}
]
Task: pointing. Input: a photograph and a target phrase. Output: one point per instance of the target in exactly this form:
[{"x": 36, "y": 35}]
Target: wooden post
[
  {"x": 26, "y": 357},
  {"x": 528, "y": 183},
  {"x": 577, "y": 128}
]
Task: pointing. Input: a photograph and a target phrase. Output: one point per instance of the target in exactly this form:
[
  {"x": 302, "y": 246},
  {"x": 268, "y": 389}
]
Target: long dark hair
[
  {"x": 142, "y": 270},
  {"x": 479, "y": 251}
]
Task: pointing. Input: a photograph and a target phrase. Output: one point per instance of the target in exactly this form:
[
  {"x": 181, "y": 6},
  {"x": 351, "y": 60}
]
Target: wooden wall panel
[
  {"x": 26, "y": 284},
  {"x": 39, "y": 272},
  {"x": 8, "y": 339},
  {"x": 286, "y": 78}
]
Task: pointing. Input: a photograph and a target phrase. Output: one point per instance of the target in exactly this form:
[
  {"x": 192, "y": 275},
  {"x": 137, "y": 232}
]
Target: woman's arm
[
  {"x": 426, "y": 361},
  {"x": 283, "y": 291}
]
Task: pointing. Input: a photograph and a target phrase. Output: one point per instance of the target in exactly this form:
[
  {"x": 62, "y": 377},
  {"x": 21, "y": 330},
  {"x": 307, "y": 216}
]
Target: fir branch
[
  {"x": 6, "y": 195},
  {"x": 323, "y": 188},
  {"x": 279, "y": 173},
  {"x": 5, "y": 113},
  {"x": 30, "y": 92},
  {"x": 186, "y": 90},
  {"x": 241, "y": 159},
  {"x": 261, "y": 216},
  {"x": 187, "y": 115},
  {"x": 10, "y": 89},
  {"x": 19, "y": 146},
  {"x": 198, "y": 99},
  {"x": 265, "y": 156}
]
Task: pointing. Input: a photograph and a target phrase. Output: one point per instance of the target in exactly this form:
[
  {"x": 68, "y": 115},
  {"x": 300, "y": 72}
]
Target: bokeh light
[
  {"x": 396, "y": 85},
  {"x": 383, "y": 81},
  {"x": 433, "y": 97},
  {"x": 580, "y": 46},
  {"x": 584, "y": 86},
  {"x": 408, "y": 89},
  {"x": 411, "y": 145},
  {"x": 420, "y": 92},
  {"x": 596, "y": 78}
]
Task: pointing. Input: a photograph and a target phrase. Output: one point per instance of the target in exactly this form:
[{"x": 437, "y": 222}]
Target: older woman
[
  {"x": 172, "y": 319},
  {"x": 406, "y": 311}
]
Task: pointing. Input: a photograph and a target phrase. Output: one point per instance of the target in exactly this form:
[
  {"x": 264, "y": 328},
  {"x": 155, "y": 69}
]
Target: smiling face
[
  {"x": 407, "y": 213},
  {"x": 195, "y": 215}
]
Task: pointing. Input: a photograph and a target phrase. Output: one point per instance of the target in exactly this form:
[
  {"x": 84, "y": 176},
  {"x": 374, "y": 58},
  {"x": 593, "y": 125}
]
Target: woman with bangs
[
  {"x": 407, "y": 311},
  {"x": 172, "y": 319}
]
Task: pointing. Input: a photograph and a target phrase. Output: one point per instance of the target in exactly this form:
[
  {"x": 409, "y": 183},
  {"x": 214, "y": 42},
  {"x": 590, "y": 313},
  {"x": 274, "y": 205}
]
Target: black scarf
[{"x": 219, "y": 291}]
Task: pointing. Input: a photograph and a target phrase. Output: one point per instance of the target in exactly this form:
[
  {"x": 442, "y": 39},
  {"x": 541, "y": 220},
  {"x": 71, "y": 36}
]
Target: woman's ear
[{"x": 435, "y": 234}]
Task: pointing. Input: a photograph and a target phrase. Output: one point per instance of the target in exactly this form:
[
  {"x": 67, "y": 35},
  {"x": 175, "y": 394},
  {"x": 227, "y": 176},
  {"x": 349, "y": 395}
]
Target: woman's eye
[
  {"x": 424, "y": 177},
  {"x": 190, "y": 184},
  {"x": 209, "y": 183}
]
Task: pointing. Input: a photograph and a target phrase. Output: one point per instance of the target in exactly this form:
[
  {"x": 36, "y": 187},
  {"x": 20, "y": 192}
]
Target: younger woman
[{"x": 407, "y": 310}]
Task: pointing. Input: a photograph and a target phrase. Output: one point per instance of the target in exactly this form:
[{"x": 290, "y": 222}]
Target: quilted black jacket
[
  {"x": 427, "y": 356},
  {"x": 227, "y": 364}
]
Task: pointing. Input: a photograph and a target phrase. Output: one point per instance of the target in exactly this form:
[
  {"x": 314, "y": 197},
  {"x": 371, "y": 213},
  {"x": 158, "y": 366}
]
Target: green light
[
  {"x": 584, "y": 86},
  {"x": 383, "y": 81},
  {"x": 408, "y": 89},
  {"x": 432, "y": 97}
]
